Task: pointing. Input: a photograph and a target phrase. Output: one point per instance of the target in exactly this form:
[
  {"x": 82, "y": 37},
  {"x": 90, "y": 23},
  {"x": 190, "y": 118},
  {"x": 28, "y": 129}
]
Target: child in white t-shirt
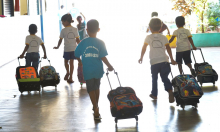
[
  {"x": 71, "y": 37},
  {"x": 158, "y": 59},
  {"x": 183, "y": 48},
  {"x": 33, "y": 43}
]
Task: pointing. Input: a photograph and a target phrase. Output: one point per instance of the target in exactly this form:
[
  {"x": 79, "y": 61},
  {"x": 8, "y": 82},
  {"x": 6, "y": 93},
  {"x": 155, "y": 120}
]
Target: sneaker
[
  {"x": 193, "y": 72},
  {"x": 153, "y": 97}
]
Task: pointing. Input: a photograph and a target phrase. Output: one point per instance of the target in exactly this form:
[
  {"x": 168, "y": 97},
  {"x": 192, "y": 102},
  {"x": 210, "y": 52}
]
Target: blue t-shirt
[
  {"x": 91, "y": 50},
  {"x": 82, "y": 31}
]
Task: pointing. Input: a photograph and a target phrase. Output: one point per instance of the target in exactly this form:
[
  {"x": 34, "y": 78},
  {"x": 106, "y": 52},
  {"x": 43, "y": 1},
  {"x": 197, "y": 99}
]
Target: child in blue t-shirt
[{"x": 93, "y": 52}]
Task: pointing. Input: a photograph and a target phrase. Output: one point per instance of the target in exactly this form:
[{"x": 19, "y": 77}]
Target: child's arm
[
  {"x": 83, "y": 16},
  {"x": 59, "y": 43},
  {"x": 170, "y": 54},
  {"x": 77, "y": 40},
  {"x": 44, "y": 49},
  {"x": 172, "y": 38},
  {"x": 105, "y": 60},
  {"x": 142, "y": 53},
  {"x": 191, "y": 42},
  {"x": 25, "y": 50},
  {"x": 147, "y": 30}
]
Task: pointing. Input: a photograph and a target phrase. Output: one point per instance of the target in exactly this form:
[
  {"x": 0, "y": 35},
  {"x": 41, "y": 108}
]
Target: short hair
[
  {"x": 79, "y": 18},
  {"x": 67, "y": 17},
  {"x": 93, "y": 26},
  {"x": 154, "y": 14},
  {"x": 155, "y": 24},
  {"x": 180, "y": 21},
  {"x": 32, "y": 29}
]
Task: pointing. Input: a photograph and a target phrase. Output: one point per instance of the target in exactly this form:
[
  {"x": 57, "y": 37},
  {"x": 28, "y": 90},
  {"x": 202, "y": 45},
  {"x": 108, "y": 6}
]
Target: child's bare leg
[
  {"x": 79, "y": 62},
  {"x": 70, "y": 80},
  {"x": 180, "y": 68},
  {"x": 97, "y": 95},
  {"x": 189, "y": 65},
  {"x": 67, "y": 69},
  {"x": 191, "y": 69},
  {"x": 93, "y": 98}
]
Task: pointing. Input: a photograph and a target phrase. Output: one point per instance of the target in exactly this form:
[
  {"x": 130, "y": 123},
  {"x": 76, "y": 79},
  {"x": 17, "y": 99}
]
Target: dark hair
[
  {"x": 93, "y": 26},
  {"x": 67, "y": 17},
  {"x": 180, "y": 21},
  {"x": 79, "y": 18},
  {"x": 154, "y": 14},
  {"x": 32, "y": 29},
  {"x": 155, "y": 24}
]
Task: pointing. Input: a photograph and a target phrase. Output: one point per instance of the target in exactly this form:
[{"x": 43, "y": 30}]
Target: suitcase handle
[
  {"x": 19, "y": 60},
  {"x": 171, "y": 70},
  {"x": 43, "y": 58},
  {"x": 201, "y": 54},
  {"x": 109, "y": 80}
]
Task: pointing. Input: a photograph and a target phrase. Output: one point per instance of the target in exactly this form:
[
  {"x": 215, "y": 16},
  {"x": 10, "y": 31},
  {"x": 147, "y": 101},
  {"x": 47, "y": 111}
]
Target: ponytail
[{"x": 67, "y": 17}]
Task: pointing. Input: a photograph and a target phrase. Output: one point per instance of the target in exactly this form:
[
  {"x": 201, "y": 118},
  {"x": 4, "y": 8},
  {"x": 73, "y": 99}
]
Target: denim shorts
[
  {"x": 32, "y": 59},
  {"x": 69, "y": 55},
  {"x": 92, "y": 84},
  {"x": 185, "y": 55}
]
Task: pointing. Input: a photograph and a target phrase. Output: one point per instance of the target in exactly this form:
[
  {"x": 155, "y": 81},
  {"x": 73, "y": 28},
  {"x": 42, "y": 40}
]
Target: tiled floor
[{"x": 69, "y": 109}]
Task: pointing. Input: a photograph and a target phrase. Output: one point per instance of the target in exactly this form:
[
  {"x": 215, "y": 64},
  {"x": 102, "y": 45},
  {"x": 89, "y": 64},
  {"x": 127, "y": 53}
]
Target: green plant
[{"x": 213, "y": 14}]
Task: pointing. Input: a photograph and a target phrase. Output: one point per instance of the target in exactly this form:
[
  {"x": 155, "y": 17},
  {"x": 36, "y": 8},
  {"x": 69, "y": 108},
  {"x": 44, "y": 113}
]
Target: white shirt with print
[
  {"x": 69, "y": 34},
  {"x": 182, "y": 43},
  {"x": 34, "y": 42},
  {"x": 157, "y": 43}
]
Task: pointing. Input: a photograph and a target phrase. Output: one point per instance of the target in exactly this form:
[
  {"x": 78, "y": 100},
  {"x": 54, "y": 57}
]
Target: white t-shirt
[
  {"x": 157, "y": 43},
  {"x": 182, "y": 43},
  {"x": 69, "y": 34},
  {"x": 34, "y": 42}
]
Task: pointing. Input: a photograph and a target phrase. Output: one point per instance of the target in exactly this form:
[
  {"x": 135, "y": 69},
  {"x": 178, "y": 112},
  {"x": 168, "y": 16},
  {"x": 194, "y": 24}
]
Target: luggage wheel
[
  {"x": 183, "y": 106},
  {"x": 195, "y": 105},
  {"x": 136, "y": 117},
  {"x": 116, "y": 120}
]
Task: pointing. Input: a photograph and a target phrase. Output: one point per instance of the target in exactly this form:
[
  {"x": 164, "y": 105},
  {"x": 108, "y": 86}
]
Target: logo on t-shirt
[
  {"x": 33, "y": 43},
  {"x": 70, "y": 35},
  {"x": 157, "y": 44}
]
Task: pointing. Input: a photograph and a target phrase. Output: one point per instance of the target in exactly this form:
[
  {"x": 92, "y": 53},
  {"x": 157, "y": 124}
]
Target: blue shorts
[
  {"x": 69, "y": 55},
  {"x": 32, "y": 59},
  {"x": 92, "y": 84},
  {"x": 185, "y": 55}
]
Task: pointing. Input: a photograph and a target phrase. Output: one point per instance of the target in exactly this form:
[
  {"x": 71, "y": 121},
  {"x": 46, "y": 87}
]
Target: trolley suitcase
[
  {"x": 186, "y": 90},
  {"x": 27, "y": 78},
  {"x": 123, "y": 102},
  {"x": 80, "y": 75},
  {"x": 49, "y": 76},
  {"x": 204, "y": 71}
]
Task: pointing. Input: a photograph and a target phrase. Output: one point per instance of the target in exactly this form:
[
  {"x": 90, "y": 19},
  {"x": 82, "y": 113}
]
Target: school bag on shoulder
[
  {"x": 48, "y": 76},
  {"x": 204, "y": 71},
  {"x": 123, "y": 102},
  {"x": 27, "y": 78}
]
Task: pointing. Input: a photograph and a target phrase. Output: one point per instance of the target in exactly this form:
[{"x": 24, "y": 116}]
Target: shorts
[
  {"x": 32, "y": 59},
  {"x": 92, "y": 84},
  {"x": 185, "y": 55},
  {"x": 69, "y": 55}
]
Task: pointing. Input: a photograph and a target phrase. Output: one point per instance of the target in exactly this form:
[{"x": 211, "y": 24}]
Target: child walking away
[
  {"x": 158, "y": 59},
  {"x": 93, "y": 52},
  {"x": 163, "y": 27},
  {"x": 184, "y": 39},
  {"x": 33, "y": 43},
  {"x": 81, "y": 27},
  {"x": 71, "y": 37}
]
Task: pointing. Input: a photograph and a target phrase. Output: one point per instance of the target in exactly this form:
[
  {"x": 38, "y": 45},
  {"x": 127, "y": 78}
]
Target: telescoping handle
[
  {"x": 201, "y": 54},
  {"x": 19, "y": 60},
  {"x": 109, "y": 80},
  {"x": 171, "y": 70},
  {"x": 43, "y": 58}
]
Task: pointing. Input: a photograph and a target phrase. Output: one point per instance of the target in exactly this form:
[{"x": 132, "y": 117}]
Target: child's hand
[
  {"x": 194, "y": 48},
  {"x": 140, "y": 60},
  {"x": 173, "y": 62},
  {"x": 55, "y": 47},
  {"x": 21, "y": 56},
  {"x": 45, "y": 57},
  {"x": 110, "y": 68}
]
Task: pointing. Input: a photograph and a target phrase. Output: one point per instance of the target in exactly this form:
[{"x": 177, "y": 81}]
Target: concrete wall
[{"x": 206, "y": 39}]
